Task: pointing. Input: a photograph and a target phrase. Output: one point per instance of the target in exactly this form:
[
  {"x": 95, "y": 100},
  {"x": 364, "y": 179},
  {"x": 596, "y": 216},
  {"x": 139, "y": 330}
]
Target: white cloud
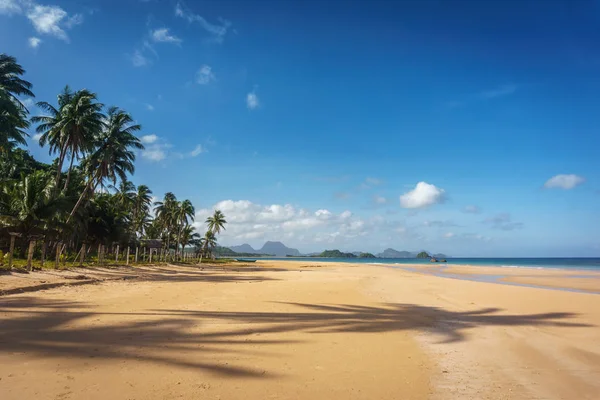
[
  {"x": 36, "y": 137},
  {"x": 149, "y": 139},
  {"x": 439, "y": 224},
  {"x": 27, "y": 102},
  {"x": 449, "y": 235},
  {"x": 47, "y": 20},
  {"x": 472, "y": 209},
  {"x": 373, "y": 181},
  {"x": 138, "y": 59},
  {"x": 503, "y": 221},
  {"x": 217, "y": 31},
  {"x": 205, "y": 75},
  {"x": 149, "y": 107},
  {"x": 369, "y": 183},
  {"x": 504, "y": 90},
  {"x": 197, "y": 150},
  {"x": 379, "y": 200},
  {"x": 74, "y": 20},
  {"x": 9, "y": 7},
  {"x": 159, "y": 149},
  {"x": 564, "y": 181},
  {"x": 162, "y": 35},
  {"x": 154, "y": 152},
  {"x": 252, "y": 101},
  {"x": 422, "y": 195},
  {"x": 34, "y": 42}
]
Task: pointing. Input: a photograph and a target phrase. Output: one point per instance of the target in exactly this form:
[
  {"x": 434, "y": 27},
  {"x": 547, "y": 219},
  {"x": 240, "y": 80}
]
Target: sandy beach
[{"x": 302, "y": 330}]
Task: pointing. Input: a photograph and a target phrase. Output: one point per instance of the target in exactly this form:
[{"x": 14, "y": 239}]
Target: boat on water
[{"x": 245, "y": 260}]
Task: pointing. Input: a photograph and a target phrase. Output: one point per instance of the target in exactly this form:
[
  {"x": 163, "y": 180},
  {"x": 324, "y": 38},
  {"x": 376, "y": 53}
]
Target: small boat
[{"x": 246, "y": 260}]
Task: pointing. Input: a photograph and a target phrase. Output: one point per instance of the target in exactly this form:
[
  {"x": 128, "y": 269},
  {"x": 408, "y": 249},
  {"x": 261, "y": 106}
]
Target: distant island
[
  {"x": 274, "y": 249},
  {"x": 278, "y": 249}
]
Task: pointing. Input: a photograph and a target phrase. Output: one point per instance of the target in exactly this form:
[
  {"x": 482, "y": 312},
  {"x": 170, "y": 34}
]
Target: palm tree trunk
[
  {"x": 61, "y": 160},
  {"x": 80, "y": 200},
  {"x": 57, "y": 258},
  {"x": 11, "y": 250},
  {"x": 69, "y": 172},
  {"x": 82, "y": 255},
  {"x": 127, "y": 259}
]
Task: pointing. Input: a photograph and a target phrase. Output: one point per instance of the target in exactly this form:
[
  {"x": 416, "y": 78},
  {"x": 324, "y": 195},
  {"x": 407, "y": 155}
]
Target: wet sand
[{"x": 301, "y": 330}]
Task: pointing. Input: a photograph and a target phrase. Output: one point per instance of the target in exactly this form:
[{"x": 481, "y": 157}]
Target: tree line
[{"x": 83, "y": 206}]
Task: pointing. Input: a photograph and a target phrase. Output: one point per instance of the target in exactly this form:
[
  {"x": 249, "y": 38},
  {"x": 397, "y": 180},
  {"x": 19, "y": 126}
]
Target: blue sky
[{"x": 464, "y": 127}]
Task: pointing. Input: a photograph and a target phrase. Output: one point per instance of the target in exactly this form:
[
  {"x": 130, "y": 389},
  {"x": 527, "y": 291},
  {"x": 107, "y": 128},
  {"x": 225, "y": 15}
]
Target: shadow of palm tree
[{"x": 200, "y": 339}]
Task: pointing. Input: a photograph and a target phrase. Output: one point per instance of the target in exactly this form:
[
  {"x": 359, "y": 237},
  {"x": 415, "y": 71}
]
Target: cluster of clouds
[
  {"x": 47, "y": 20},
  {"x": 158, "y": 149},
  {"x": 253, "y": 222},
  {"x": 248, "y": 221}
]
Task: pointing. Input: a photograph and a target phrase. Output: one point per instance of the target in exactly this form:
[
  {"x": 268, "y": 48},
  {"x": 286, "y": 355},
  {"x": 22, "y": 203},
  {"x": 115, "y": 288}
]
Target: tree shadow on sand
[
  {"x": 204, "y": 340},
  {"x": 177, "y": 274}
]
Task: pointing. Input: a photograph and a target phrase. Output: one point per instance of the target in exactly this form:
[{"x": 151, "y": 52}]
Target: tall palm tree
[
  {"x": 165, "y": 215},
  {"x": 188, "y": 236},
  {"x": 114, "y": 155},
  {"x": 208, "y": 244},
  {"x": 70, "y": 130},
  {"x": 216, "y": 222},
  {"x": 142, "y": 200},
  {"x": 184, "y": 212},
  {"x": 125, "y": 195},
  {"x": 13, "y": 114},
  {"x": 50, "y": 127}
]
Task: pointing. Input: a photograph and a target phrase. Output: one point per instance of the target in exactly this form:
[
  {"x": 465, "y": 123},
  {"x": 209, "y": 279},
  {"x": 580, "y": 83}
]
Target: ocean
[{"x": 538, "y": 263}]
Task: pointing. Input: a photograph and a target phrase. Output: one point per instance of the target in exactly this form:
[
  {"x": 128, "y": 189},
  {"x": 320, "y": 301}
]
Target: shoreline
[{"x": 571, "y": 280}]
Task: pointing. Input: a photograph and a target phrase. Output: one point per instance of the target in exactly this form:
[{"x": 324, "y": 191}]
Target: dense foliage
[{"x": 84, "y": 199}]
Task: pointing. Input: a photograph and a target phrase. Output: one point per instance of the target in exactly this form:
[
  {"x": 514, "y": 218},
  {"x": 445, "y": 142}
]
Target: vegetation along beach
[{"x": 299, "y": 200}]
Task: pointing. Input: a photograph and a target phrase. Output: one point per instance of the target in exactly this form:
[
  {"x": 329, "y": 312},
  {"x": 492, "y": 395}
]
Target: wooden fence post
[
  {"x": 127, "y": 259},
  {"x": 57, "y": 258},
  {"x": 44, "y": 246},
  {"x": 117, "y": 255}
]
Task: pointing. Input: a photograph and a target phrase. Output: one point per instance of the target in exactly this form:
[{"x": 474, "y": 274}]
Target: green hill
[
  {"x": 335, "y": 254},
  {"x": 366, "y": 255},
  {"x": 423, "y": 254}
]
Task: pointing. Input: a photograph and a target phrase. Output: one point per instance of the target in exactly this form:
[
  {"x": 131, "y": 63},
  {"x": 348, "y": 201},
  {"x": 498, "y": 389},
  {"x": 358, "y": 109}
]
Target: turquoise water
[{"x": 556, "y": 263}]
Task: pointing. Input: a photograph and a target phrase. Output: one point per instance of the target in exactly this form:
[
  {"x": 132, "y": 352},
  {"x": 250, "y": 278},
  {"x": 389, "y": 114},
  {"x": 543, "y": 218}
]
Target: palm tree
[
  {"x": 125, "y": 195},
  {"x": 31, "y": 207},
  {"x": 216, "y": 222},
  {"x": 142, "y": 199},
  {"x": 114, "y": 156},
  {"x": 70, "y": 130},
  {"x": 188, "y": 236},
  {"x": 13, "y": 114},
  {"x": 209, "y": 242},
  {"x": 165, "y": 216},
  {"x": 184, "y": 212}
]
